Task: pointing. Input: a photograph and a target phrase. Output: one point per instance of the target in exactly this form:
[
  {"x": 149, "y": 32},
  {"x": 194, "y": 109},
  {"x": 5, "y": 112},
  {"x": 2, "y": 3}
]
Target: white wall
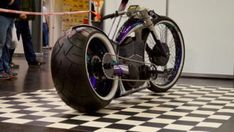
[{"x": 208, "y": 27}]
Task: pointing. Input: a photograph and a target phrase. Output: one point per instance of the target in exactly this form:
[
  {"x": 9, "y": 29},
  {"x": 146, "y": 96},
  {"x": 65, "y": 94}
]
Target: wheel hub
[
  {"x": 97, "y": 67},
  {"x": 159, "y": 55}
]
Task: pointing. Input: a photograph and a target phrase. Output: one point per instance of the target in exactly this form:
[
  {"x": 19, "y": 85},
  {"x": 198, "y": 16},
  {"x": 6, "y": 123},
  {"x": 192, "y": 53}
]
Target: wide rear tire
[{"x": 74, "y": 69}]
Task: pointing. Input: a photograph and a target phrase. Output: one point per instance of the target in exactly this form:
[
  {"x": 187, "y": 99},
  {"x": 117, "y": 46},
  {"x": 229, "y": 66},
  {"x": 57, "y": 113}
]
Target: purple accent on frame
[
  {"x": 93, "y": 81},
  {"x": 119, "y": 72},
  {"x": 126, "y": 28}
]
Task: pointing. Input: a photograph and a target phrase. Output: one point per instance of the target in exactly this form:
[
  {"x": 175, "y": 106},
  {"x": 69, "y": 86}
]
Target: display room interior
[{"x": 116, "y": 65}]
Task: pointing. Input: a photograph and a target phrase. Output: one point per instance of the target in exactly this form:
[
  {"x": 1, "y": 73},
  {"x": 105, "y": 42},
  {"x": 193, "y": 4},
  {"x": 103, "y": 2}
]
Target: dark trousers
[
  {"x": 22, "y": 29},
  {"x": 45, "y": 34}
]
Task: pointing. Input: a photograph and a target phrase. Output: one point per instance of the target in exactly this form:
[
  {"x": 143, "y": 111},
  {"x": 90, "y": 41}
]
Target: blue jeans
[
  {"x": 6, "y": 25},
  {"x": 22, "y": 28}
]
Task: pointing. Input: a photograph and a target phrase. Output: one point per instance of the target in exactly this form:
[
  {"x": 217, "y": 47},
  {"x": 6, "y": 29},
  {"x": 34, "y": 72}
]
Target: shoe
[
  {"x": 14, "y": 66},
  {"x": 12, "y": 74},
  {"x": 4, "y": 75},
  {"x": 47, "y": 47},
  {"x": 37, "y": 63}
]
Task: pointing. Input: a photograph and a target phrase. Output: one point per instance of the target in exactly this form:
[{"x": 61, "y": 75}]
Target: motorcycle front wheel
[
  {"x": 169, "y": 66},
  {"x": 76, "y": 66}
]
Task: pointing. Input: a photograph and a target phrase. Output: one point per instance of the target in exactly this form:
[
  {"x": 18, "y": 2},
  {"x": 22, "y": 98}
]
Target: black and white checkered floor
[{"x": 183, "y": 108}]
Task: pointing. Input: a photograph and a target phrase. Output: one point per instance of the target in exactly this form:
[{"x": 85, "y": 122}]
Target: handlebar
[
  {"x": 116, "y": 14},
  {"x": 132, "y": 12}
]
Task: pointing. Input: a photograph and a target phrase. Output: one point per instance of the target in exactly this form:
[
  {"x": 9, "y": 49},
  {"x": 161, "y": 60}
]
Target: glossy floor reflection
[{"x": 29, "y": 78}]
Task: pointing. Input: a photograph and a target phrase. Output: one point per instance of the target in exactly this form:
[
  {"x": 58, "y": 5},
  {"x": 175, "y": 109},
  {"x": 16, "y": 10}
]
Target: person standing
[
  {"x": 6, "y": 23},
  {"x": 23, "y": 30},
  {"x": 45, "y": 21}
]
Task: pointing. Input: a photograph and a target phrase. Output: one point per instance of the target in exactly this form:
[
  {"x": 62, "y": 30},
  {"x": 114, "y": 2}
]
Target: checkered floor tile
[{"x": 183, "y": 108}]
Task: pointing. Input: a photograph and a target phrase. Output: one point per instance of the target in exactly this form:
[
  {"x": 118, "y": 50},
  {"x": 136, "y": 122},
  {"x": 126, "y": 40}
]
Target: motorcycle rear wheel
[{"x": 77, "y": 71}]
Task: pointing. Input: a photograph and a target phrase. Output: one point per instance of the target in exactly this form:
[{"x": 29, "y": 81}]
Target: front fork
[
  {"x": 158, "y": 43},
  {"x": 149, "y": 15}
]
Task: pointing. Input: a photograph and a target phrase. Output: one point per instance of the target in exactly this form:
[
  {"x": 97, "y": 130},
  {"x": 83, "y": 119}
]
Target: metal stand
[{"x": 167, "y": 8}]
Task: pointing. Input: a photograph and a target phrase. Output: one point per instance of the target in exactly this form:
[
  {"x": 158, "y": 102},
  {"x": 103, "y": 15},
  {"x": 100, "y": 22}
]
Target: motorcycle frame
[
  {"x": 131, "y": 25},
  {"x": 135, "y": 25}
]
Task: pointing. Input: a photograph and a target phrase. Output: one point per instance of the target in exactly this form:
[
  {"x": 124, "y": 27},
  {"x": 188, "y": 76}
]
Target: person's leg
[
  {"x": 6, "y": 63},
  {"x": 9, "y": 43},
  {"x": 3, "y": 30},
  {"x": 5, "y": 37},
  {"x": 45, "y": 35},
  {"x": 6, "y": 54},
  {"x": 12, "y": 44},
  {"x": 11, "y": 53},
  {"x": 27, "y": 42}
]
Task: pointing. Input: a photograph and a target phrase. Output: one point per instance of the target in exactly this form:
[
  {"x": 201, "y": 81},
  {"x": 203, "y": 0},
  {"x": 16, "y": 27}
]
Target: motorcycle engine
[{"x": 132, "y": 49}]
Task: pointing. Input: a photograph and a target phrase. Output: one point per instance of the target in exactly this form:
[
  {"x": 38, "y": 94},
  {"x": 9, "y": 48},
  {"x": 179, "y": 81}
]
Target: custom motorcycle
[{"x": 89, "y": 69}]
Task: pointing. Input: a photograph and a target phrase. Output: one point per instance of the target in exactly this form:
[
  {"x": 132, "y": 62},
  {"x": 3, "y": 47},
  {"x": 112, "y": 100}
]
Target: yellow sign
[{"x": 69, "y": 21}]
